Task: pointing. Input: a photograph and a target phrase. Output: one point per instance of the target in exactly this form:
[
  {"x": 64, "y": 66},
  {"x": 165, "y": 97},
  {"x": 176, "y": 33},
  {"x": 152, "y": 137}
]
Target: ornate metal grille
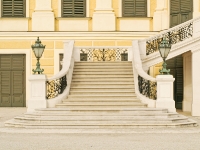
[
  {"x": 147, "y": 88},
  {"x": 56, "y": 87},
  {"x": 174, "y": 36},
  {"x": 103, "y": 54}
]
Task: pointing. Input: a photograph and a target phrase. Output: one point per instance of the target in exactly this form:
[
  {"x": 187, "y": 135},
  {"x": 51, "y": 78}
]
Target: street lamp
[
  {"x": 38, "y": 50},
  {"x": 164, "y": 48}
]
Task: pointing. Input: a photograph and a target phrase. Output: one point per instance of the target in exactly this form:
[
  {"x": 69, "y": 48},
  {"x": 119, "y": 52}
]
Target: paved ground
[{"x": 137, "y": 139}]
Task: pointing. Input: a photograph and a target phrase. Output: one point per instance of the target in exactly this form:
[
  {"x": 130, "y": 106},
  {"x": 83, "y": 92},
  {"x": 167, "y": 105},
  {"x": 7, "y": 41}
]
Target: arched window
[{"x": 134, "y": 8}]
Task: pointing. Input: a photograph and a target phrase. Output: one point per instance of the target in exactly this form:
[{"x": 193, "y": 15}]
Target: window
[
  {"x": 134, "y": 8},
  {"x": 13, "y": 8},
  {"x": 73, "y": 8}
]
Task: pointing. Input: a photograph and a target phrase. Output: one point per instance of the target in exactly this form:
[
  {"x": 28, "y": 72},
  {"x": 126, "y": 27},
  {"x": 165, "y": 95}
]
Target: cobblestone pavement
[{"x": 136, "y": 139}]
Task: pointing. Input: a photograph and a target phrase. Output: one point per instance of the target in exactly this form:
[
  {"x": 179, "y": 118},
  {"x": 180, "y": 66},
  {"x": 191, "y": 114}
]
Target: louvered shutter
[
  {"x": 13, "y": 8},
  {"x": 134, "y": 8},
  {"x": 73, "y": 8},
  {"x": 180, "y": 11}
]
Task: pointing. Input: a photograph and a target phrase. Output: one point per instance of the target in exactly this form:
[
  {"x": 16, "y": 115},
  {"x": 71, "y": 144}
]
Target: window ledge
[
  {"x": 15, "y": 18},
  {"x": 147, "y": 18},
  {"x": 73, "y": 18}
]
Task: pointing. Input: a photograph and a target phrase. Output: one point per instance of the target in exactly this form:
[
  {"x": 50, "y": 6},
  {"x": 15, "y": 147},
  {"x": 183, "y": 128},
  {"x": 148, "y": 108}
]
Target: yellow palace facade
[{"x": 90, "y": 23}]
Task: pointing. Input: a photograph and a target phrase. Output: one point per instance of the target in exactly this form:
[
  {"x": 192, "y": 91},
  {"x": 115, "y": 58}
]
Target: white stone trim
[
  {"x": 57, "y": 52},
  {"x": 27, "y": 52},
  {"x": 87, "y": 8}
]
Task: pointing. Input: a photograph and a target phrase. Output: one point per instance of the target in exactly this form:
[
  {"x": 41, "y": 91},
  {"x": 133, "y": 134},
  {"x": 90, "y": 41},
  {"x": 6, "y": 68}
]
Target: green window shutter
[
  {"x": 73, "y": 8},
  {"x": 180, "y": 11},
  {"x": 134, "y": 8},
  {"x": 186, "y": 6},
  {"x": 13, "y": 8}
]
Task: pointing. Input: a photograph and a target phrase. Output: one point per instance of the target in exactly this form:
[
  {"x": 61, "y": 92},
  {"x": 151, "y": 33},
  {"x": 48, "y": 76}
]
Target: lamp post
[
  {"x": 164, "y": 48},
  {"x": 38, "y": 50}
]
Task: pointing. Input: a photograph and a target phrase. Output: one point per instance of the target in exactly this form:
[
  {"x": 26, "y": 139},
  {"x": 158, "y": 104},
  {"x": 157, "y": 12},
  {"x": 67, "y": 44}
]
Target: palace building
[{"x": 121, "y": 31}]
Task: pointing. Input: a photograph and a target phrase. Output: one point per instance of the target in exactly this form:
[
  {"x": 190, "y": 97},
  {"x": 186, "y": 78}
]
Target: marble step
[
  {"x": 103, "y": 73},
  {"x": 103, "y": 64},
  {"x": 110, "y": 80},
  {"x": 114, "y": 86},
  {"x": 108, "y": 125},
  {"x": 104, "y": 93},
  {"x": 119, "y": 97},
  {"x": 101, "y": 103},
  {"x": 99, "y": 107},
  {"x": 77, "y": 89},
  {"x": 102, "y": 67},
  {"x": 103, "y": 70}
]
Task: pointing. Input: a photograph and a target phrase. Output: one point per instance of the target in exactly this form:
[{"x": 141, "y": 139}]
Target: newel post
[
  {"x": 37, "y": 92},
  {"x": 165, "y": 92}
]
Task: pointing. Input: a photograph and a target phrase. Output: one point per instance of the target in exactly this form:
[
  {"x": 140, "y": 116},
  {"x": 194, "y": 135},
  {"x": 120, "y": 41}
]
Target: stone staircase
[{"x": 102, "y": 96}]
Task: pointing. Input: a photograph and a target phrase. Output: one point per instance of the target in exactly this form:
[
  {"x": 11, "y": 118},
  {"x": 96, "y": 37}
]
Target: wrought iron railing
[
  {"x": 174, "y": 35},
  {"x": 147, "y": 88},
  {"x": 104, "y": 54},
  {"x": 56, "y": 87}
]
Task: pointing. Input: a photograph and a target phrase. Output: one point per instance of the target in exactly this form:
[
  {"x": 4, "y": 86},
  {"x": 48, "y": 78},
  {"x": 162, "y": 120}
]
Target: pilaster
[
  {"x": 43, "y": 17},
  {"x": 161, "y": 16},
  {"x": 104, "y": 18},
  {"x": 196, "y": 9},
  {"x": 195, "y": 82},
  {"x": 187, "y": 81},
  {"x": 165, "y": 92}
]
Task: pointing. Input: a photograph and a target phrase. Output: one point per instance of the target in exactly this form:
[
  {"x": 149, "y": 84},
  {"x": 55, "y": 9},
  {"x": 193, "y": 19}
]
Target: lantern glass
[{"x": 38, "y": 51}]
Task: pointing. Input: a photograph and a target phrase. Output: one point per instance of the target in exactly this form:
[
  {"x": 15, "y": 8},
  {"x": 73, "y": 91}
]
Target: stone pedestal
[
  {"x": 161, "y": 16},
  {"x": 165, "y": 92},
  {"x": 37, "y": 92},
  {"x": 104, "y": 17},
  {"x": 43, "y": 18}
]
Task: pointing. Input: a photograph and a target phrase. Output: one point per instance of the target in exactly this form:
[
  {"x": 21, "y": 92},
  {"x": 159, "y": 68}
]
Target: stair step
[
  {"x": 100, "y": 100},
  {"x": 99, "y": 107},
  {"x": 101, "y": 93},
  {"x": 103, "y": 70},
  {"x": 103, "y": 64},
  {"x": 103, "y": 80},
  {"x": 103, "y": 73},
  {"x": 102, "y": 103},
  {"x": 114, "y": 86},
  {"x": 77, "y": 89},
  {"x": 103, "y": 97},
  {"x": 102, "y": 67}
]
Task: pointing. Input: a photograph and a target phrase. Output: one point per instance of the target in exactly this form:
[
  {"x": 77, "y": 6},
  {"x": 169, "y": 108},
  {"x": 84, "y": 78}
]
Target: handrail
[
  {"x": 174, "y": 35},
  {"x": 144, "y": 84},
  {"x": 57, "y": 84}
]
